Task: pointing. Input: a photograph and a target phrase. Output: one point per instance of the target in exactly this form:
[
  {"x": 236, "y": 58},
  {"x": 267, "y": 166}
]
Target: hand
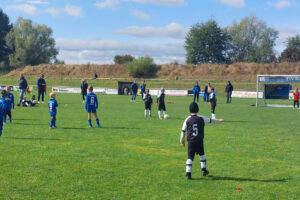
[
  {"x": 221, "y": 120},
  {"x": 183, "y": 144}
]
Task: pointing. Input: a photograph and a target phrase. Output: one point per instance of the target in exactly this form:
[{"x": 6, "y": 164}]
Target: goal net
[{"x": 276, "y": 90}]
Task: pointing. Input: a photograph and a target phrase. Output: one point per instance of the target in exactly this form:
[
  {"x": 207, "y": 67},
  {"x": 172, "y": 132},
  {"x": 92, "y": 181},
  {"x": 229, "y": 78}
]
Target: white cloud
[
  {"x": 234, "y": 3},
  {"x": 284, "y": 34},
  {"x": 161, "y": 2},
  {"x": 38, "y": 2},
  {"x": 107, "y": 4},
  {"x": 283, "y": 4},
  {"x": 172, "y": 30},
  {"x": 73, "y": 11},
  {"x": 140, "y": 15},
  {"x": 103, "y": 51},
  {"x": 28, "y": 9},
  {"x": 53, "y": 11}
]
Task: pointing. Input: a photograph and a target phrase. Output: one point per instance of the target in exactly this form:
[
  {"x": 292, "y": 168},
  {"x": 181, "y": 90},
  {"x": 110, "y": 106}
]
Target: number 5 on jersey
[{"x": 195, "y": 130}]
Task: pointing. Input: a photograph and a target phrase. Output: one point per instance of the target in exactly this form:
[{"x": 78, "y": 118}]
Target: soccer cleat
[
  {"x": 205, "y": 172},
  {"x": 188, "y": 176},
  {"x": 90, "y": 126},
  {"x": 99, "y": 126}
]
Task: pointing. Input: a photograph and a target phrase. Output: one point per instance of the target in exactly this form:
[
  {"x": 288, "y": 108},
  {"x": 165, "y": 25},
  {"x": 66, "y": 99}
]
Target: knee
[{"x": 189, "y": 161}]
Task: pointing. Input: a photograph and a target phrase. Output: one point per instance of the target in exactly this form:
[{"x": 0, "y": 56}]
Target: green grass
[{"x": 133, "y": 157}]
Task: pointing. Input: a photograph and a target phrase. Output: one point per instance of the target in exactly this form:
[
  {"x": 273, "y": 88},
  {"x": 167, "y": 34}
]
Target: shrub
[
  {"x": 123, "y": 59},
  {"x": 142, "y": 67}
]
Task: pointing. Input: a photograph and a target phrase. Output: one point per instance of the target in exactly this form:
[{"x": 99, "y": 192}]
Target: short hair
[
  {"x": 52, "y": 94},
  {"x": 91, "y": 88},
  {"x": 194, "y": 108}
]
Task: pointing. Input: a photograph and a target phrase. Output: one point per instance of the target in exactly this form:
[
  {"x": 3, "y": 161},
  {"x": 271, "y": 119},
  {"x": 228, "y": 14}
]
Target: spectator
[
  {"x": 84, "y": 87},
  {"x": 134, "y": 89},
  {"x": 228, "y": 90},
  {"x": 196, "y": 90},
  {"x": 22, "y": 87},
  {"x": 143, "y": 89},
  {"x": 41, "y": 85},
  {"x": 207, "y": 91},
  {"x": 95, "y": 76}
]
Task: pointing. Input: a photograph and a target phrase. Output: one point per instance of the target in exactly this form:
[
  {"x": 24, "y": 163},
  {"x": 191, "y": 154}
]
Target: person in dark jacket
[
  {"x": 22, "y": 87},
  {"x": 143, "y": 89},
  {"x": 41, "y": 85},
  {"x": 84, "y": 87},
  {"x": 134, "y": 89},
  {"x": 196, "y": 90},
  {"x": 229, "y": 89}
]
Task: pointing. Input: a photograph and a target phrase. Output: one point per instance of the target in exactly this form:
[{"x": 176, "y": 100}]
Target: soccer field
[{"x": 132, "y": 157}]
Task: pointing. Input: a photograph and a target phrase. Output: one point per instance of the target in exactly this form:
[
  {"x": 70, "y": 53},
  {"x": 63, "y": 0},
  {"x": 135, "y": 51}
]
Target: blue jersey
[
  {"x": 10, "y": 101},
  {"x": 196, "y": 89},
  {"x": 52, "y": 104},
  {"x": 91, "y": 101},
  {"x": 3, "y": 107}
]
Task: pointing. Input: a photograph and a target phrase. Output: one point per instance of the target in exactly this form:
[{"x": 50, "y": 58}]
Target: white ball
[{"x": 166, "y": 116}]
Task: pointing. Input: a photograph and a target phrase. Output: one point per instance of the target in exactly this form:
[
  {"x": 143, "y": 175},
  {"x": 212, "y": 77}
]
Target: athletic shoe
[
  {"x": 91, "y": 126},
  {"x": 188, "y": 176},
  {"x": 99, "y": 126},
  {"x": 205, "y": 172}
]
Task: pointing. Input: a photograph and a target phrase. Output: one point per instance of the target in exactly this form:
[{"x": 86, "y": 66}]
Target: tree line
[
  {"x": 250, "y": 40},
  {"x": 25, "y": 43}
]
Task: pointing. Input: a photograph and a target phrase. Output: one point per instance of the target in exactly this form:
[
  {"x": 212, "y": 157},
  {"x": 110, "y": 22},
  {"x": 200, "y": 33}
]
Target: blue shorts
[
  {"x": 91, "y": 110},
  {"x": 52, "y": 114}
]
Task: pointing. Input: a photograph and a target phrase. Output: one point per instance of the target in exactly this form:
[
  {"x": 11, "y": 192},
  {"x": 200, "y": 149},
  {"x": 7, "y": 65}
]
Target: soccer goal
[{"x": 276, "y": 90}]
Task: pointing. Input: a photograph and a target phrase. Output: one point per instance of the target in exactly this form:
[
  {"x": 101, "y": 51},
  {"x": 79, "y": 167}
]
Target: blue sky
[{"x": 95, "y": 31}]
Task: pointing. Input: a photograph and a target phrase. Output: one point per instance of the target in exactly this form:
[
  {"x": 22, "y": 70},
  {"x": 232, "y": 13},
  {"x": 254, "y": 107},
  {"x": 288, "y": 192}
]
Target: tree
[
  {"x": 32, "y": 44},
  {"x": 290, "y": 54},
  {"x": 142, "y": 67},
  {"x": 5, "y": 27},
  {"x": 206, "y": 43},
  {"x": 123, "y": 59},
  {"x": 252, "y": 41}
]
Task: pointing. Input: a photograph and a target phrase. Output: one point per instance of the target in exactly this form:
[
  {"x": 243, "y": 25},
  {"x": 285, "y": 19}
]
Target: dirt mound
[{"x": 235, "y": 71}]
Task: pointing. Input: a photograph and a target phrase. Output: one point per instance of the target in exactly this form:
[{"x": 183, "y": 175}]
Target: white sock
[
  {"x": 213, "y": 116},
  {"x": 203, "y": 161},
  {"x": 159, "y": 114},
  {"x": 189, "y": 163},
  {"x": 145, "y": 113},
  {"x": 165, "y": 112},
  {"x": 150, "y": 113}
]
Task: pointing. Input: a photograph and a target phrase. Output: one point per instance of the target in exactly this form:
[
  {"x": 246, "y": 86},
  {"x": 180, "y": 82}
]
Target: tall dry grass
[{"x": 235, "y": 71}]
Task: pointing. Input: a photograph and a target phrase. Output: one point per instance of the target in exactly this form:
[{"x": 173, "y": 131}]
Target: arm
[
  {"x": 86, "y": 101},
  {"x": 182, "y": 135},
  {"x": 96, "y": 101}
]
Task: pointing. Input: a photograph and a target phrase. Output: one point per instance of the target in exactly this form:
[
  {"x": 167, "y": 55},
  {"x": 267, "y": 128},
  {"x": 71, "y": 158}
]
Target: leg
[
  {"x": 164, "y": 109},
  {"x": 298, "y": 103},
  {"x": 294, "y": 104},
  {"x": 39, "y": 94},
  {"x": 189, "y": 161},
  {"x": 202, "y": 159},
  {"x": 213, "y": 107},
  {"x": 54, "y": 121},
  {"x": 198, "y": 98},
  {"x": 194, "y": 97},
  {"x": 1, "y": 127},
  {"x": 43, "y": 93},
  {"x": 159, "y": 113},
  {"x": 22, "y": 91},
  {"x": 227, "y": 97},
  {"x": 9, "y": 116},
  {"x": 89, "y": 119},
  {"x": 230, "y": 97},
  {"x": 97, "y": 120}
]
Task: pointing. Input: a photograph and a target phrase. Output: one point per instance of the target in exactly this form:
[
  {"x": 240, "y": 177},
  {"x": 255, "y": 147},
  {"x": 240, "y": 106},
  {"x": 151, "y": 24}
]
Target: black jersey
[
  {"x": 212, "y": 98},
  {"x": 148, "y": 99},
  {"x": 194, "y": 125},
  {"x": 161, "y": 99}
]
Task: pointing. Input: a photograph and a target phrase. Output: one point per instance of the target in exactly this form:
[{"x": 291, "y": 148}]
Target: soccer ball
[{"x": 166, "y": 116}]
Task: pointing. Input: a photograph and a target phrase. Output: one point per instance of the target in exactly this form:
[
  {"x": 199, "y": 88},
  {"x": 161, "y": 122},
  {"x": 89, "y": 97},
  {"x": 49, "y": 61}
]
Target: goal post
[{"x": 275, "y": 90}]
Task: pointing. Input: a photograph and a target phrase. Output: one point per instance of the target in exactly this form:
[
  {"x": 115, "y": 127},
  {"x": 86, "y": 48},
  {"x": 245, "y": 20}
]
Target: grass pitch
[{"x": 132, "y": 157}]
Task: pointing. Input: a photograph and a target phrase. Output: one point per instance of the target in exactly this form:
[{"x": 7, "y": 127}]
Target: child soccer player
[
  {"x": 161, "y": 104},
  {"x": 52, "y": 104},
  {"x": 3, "y": 108},
  {"x": 148, "y": 102},
  {"x": 296, "y": 98},
  {"x": 91, "y": 105},
  {"x": 10, "y": 105},
  {"x": 213, "y": 102},
  {"x": 194, "y": 125}
]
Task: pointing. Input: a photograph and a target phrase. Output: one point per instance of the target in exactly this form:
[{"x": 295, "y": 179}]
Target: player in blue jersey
[
  {"x": 91, "y": 105},
  {"x": 52, "y": 104},
  {"x": 10, "y": 105},
  {"x": 3, "y": 108}
]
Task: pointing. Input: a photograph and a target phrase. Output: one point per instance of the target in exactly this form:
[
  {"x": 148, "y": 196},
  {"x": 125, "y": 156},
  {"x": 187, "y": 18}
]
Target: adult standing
[
  {"x": 22, "y": 87},
  {"x": 207, "y": 91},
  {"x": 134, "y": 89},
  {"x": 196, "y": 90},
  {"x": 143, "y": 89},
  {"x": 84, "y": 87},
  {"x": 229, "y": 89},
  {"x": 41, "y": 85}
]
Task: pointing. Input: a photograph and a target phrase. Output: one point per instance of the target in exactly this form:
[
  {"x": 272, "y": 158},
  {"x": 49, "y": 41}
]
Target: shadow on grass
[
  {"x": 70, "y": 128},
  {"x": 20, "y": 138},
  {"x": 221, "y": 178},
  {"x": 21, "y": 119},
  {"x": 237, "y": 121},
  {"x": 115, "y": 127},
  {"x": 43, "y": 124}
]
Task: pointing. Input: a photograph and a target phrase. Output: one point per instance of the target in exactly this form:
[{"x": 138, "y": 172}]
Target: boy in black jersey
[
  {"x": 161, "y": 104},
  {"x": 194, "y": 125},
  {"x": 148, "y": 102},
  {"x": 213, "y": 102}
]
